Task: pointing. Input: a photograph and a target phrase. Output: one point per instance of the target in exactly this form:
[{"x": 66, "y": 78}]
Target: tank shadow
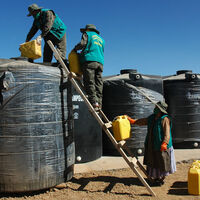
[{"x": 22, "y": 194}]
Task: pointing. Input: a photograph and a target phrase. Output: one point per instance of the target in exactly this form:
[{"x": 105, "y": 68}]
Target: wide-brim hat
[
  {"x": 89, "y": 27},
  {"x": 33, "y": 7},
  {"x": 162, "y": 106}
]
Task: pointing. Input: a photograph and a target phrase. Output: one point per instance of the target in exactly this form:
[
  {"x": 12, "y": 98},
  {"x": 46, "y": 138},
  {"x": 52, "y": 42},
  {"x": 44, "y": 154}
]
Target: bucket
[
  {"x": 194, "y": 178},
  {"x": 74, "y": 63},
  {"x": 31, "y": 50},
  {"x": 121, "y": 128}
]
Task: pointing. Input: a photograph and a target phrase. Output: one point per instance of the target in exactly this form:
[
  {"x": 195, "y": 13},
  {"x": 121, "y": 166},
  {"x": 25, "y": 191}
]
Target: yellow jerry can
[
  {"x": 194, "y": 178},
  {"x": 121, "y": 128},
  {"x": 31, "y": 50},
  {"x": 74, "y": 63}
]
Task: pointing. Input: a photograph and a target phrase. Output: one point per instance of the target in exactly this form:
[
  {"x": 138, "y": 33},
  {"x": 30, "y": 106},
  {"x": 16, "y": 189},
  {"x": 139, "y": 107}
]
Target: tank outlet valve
[
  {"x": 139, "y": 151},
  {"x": 78, "y": 158},
  {"x": 196, "y": 144}
]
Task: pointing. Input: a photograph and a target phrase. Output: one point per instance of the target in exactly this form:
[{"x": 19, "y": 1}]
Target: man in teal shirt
[
  {"x": 52, "y": 28},
  {"x": 92, "y": 60}
]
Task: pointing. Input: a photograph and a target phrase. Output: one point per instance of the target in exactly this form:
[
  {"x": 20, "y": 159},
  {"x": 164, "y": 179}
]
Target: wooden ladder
[{"x": 106, "y": 125}]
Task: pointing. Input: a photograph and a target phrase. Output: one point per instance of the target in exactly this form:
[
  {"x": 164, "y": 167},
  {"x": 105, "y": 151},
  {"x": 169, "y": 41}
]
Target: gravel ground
[{"x": 119, "y": 184}]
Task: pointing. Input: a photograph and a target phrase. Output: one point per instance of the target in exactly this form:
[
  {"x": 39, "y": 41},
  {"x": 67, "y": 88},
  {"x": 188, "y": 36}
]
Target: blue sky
[{"x": 156, "y": 37}]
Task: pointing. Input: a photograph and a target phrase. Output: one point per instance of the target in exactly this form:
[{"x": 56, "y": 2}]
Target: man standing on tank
[
  {"x": 92, "y": 60},
  {"x": 52, "y": 29}
]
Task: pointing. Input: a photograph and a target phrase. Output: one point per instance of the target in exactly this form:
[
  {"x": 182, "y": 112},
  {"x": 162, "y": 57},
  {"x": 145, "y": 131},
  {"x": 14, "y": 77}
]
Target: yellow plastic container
[
  {"x": 74, "y": 63},
  {"x": 121, "y": 128},
  {"x": 194, "y": 178},
  {"x": 31, "y": 50}
]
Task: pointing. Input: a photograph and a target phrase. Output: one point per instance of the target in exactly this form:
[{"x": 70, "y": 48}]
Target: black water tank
[
  {"x": 182, "y": 93},
  {"x": 87, "y": 131},
  {"x": 36, "y": 127},
  {"x": 120, "y": 99}
]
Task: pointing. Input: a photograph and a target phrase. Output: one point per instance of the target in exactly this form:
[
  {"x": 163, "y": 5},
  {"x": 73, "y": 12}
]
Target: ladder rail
[
  {"x": 75, "y": 84},
  {"x": 98, "y": 118},
  {"x": 130, "y": 163}
]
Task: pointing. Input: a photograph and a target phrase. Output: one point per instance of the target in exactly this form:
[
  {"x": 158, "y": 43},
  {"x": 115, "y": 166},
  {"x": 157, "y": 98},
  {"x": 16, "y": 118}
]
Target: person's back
[{"x": 94, "y": 50}]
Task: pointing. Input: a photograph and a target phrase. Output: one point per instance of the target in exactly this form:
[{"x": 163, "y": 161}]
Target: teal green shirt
[
  {"x": 158, "y": 133},
  {"x": 94, "y": 50},
  {"x": 58, "y": 29}
]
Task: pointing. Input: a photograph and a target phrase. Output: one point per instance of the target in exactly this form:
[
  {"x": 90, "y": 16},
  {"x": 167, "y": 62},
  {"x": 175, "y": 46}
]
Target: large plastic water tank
[
  {"x": 120, "y": 99},
  {"x": 36, "y": 132},
  {"x": 182, "y": 93},
  {"x": 87, "y": 132}
]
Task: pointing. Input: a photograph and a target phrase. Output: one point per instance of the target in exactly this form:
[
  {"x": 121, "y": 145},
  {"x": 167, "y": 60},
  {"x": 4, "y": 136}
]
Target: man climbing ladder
[{"x": 106, "y": 124}]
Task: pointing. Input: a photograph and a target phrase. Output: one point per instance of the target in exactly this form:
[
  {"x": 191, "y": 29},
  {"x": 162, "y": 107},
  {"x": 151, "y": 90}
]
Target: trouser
[
  {"x": 93, "y": 82},
  {"x": 60, "y": 44}
]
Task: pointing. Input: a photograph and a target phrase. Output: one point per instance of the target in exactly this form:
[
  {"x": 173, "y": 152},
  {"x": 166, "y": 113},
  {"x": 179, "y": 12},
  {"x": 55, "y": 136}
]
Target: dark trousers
[
  {"x": 60, "y": 44},
  {"x": 93, "y": 82}
]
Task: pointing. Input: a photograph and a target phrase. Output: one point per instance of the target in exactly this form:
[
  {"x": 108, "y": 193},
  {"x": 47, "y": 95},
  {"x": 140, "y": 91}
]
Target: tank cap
[
  {"x": 127, "y": 71},
  {"x": 135, "y": 76},
  {"x": 190, "y": 76},
  {"x": 183, "y": 72}
]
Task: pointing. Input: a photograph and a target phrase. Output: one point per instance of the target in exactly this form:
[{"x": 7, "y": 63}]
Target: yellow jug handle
[{"x": 124, "y": 117}]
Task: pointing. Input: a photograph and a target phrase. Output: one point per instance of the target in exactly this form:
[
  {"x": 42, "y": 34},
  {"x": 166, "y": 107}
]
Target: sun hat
[
  {"x": 90, "y": 27},
  {"x": 32, "y": 8},
  {"x": 162, "y": 106}
]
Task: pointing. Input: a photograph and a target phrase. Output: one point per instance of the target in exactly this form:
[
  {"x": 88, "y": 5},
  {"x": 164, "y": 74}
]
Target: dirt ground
[{"x": 113, "y": 185}]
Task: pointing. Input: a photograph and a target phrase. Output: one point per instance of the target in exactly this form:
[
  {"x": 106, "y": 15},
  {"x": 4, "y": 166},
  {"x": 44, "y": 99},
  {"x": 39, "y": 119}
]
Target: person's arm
[
  {"x": 166, "y": 130},
  {"x": 139, "y": 122},
  {"x": 81, "y": 45},
  {"x": 32, "y": 32},
  {"x": 49, "y": 20}
]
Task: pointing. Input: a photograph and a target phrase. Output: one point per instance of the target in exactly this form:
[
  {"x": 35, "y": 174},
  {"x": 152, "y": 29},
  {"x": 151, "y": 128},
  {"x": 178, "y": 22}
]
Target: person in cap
[
  {"x": 92, "y": 61},
  {"x": 159, "y": 153},
  {"x": 52, "y": 28}
]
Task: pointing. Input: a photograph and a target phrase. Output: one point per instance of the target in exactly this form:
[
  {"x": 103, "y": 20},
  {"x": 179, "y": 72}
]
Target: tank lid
[
  {"x": 127, "y": 71},
  {"x": 183, "y": 72}
]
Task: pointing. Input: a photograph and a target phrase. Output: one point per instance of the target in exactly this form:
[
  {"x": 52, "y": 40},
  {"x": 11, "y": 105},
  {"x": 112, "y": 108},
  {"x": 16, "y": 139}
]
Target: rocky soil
[{"x": 113, "y": 185}]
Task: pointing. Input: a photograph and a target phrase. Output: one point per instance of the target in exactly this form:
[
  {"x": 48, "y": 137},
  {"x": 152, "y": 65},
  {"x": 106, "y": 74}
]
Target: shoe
[
  {"x": 96, "y": 106},
  {"x": 155, "y": 182},
  {"x": 158, "y": 182}
]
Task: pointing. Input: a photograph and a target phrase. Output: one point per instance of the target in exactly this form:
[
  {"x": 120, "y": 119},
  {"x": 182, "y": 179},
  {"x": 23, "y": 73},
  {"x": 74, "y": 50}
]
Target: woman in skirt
[{"x": 159, "y": 153}]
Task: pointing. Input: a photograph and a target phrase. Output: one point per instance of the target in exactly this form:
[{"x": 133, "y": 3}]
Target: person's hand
[
  {"x": 163, "y": 146},
  {"x": 132, "y": 121},
  {"x": 39, "y": 40}
]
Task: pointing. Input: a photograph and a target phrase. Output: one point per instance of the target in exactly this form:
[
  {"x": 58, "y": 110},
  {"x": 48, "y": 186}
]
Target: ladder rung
[
  {"x": 108, "y": 125},
  {"x": 134, "y": 161},
  {"x": 73, "y": 75},
  {"x": 121, "y": 143}
]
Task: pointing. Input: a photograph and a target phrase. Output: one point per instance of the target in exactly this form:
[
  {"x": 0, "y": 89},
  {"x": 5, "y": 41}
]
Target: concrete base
[{"x": 109, "y": 163}]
